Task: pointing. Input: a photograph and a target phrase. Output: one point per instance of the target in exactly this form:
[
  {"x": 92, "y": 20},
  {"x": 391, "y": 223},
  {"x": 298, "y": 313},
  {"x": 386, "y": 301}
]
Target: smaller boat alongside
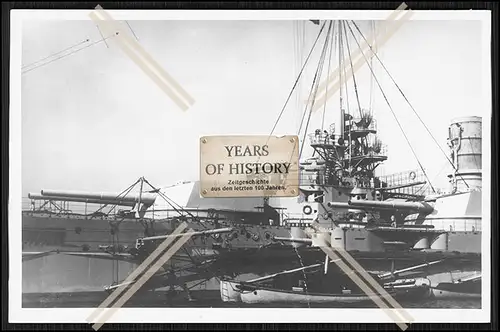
[
  {"x": 311, "y": 285},
  {"x": 458, "y": 289},
  {"x": 299, "y": 295}
]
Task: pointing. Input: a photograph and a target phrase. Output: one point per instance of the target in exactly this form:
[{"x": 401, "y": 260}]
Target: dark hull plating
[{"x": 249, "y": 250}]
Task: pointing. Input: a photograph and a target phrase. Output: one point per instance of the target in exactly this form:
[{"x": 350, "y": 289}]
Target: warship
[{"x": 387, "y": 223}]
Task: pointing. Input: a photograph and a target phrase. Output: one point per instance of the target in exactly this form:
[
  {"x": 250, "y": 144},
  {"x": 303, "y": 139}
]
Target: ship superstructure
[{"x": 368, "y": 213}]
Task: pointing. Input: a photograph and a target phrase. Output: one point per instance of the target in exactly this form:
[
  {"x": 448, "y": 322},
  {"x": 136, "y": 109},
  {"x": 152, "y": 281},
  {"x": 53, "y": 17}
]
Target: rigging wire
[
  {"x": 118, "y": 262},
  {"x": 299, "y": 106},
  {"x": 352, "y": 68},
  {"x": 341, "y": 57},
  {"x": 411, "y": 106},
  {"x": 371, "y": 63},
  {"x": 73, "y": 52},
  {"x": 172, "y": 203},
  {"x": 315, "y": 87},
  {"x": 311, "y": 90},
  {"x": 333, "y": 45},
  {"x": 124, "y": 193},
  {"x": 302, "y": 52},
  {"x": 343, "y": 70},
  {"x": 295, "y": 85},
  {"x": 392, "y": 111},
  {"x": 298, "y": 56},
  {"x": 328, "y": 77},
  {"x": 337, "y": 48},
  {"x": 113, "y": 263},
  {"x": 295, "y": 41},
  {"x": 424, "y": 187},
  {"x": 297, "y": 80},
  {"x": 353, "y": 79},
  {"x": 102, "y": 36},
  {"x": 54, "y": 54},
  {"x": 133, "y": 32}
]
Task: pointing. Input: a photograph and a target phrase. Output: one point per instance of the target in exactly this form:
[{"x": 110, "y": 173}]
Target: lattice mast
[{"x": 350, "y": 150}]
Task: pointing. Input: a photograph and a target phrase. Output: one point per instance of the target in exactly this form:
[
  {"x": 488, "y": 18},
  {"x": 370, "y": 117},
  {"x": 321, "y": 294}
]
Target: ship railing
[
  {"x": 405, "y": 178},
  {"x": 308, "y": 178},
  {"x": 177, "y": 213},
  {"x": 323, "y": 139},
  {"x": 297, "y": 220},
  {"x": 381, "y": 150},
  {"x": 65, "y": 207},
  {"x": 88, "y": 209},
  {"x": 402, "y": 178}
]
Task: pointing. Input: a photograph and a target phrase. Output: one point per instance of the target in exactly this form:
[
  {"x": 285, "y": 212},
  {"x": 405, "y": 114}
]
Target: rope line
[
  {"x": 328, "y": 77},
  {"x": 315, "y": 87},
  {"x": 54, "y": 54},
  {"x": 406, "y": 99},
  {"x": 133, "y": 32},
  {"x": 71, "y": 53},
  {"x": 352, "y": 69},
  {"x": 297, "y": 80},
  {"x": 392, "y": 111}
]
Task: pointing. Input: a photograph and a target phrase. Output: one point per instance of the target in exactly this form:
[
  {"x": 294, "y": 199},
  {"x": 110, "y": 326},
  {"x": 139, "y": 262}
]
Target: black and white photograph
[{"x": 111, "y": 112}]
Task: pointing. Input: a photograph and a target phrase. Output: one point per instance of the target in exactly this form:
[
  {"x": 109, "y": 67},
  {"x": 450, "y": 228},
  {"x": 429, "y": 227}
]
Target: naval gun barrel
[
  {"x": 338, "y": 205},
  {"x": 81, "y": 200},
  {"x": 114, "y": 198},
  {"x": 392, "y": 205}
]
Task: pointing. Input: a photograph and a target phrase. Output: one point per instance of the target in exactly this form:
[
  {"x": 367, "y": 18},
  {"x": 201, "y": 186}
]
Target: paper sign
[{"x": 249, "y": 166}]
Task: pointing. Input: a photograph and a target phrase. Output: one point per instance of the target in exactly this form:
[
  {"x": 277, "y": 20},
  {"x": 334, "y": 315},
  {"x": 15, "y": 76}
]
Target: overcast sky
[{"x": 94, "y": 121}]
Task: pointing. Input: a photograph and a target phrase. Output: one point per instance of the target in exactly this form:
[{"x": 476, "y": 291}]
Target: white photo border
[{"x": 17, "y": 314}]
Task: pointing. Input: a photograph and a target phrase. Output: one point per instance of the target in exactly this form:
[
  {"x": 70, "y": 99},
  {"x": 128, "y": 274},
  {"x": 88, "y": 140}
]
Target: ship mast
[{"x": 349, "y": 150}]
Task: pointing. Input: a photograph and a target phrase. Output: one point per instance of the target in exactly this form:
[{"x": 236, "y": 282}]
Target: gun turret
[{"x": 419, "y": 207}]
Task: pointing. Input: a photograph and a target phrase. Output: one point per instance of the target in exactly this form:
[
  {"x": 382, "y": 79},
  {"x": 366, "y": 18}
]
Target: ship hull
[
  {"x": 47, "y": 230},
  {"x": 249, "y": 250},
  {"x": 448, "y": 295}
]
